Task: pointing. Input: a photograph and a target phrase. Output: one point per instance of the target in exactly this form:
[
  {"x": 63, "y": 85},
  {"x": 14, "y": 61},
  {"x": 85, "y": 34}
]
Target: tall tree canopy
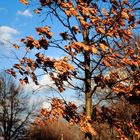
[{"x": 96, "y": 39}]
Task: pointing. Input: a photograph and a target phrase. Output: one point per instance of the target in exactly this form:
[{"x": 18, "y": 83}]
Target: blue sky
[
  {"x": 21, "y": 21},
  {"x": 18, "y": 21},
  {"x": 17, "y": 16}
]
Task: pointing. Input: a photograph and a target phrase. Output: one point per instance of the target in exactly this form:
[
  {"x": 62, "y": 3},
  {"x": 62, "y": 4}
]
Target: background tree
[
  {"x": 96, "y": 39},
  {"x": 56, "y": 130},
  {"x": 15, "y": 114}
]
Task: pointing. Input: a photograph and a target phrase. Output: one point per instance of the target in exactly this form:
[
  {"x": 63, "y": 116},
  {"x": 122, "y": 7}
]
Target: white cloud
[
  {"x": 44, "y": 84},
  {"x": 46, "y": 80},
  {"x": 7, "y": 34},
  {"x": 43, "y": 94},
  {"x": 47, "y": 105},
  {"x": 26, "y": 13}
]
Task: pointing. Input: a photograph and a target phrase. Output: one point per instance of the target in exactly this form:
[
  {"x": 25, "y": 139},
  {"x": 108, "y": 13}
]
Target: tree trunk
[
  {"x": 88, "y": 106},
  {"x": 88, "y": 95}
]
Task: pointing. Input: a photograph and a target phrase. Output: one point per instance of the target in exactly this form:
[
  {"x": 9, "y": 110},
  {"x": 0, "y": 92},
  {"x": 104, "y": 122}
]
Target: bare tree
[{"x": 14, "y": 112}]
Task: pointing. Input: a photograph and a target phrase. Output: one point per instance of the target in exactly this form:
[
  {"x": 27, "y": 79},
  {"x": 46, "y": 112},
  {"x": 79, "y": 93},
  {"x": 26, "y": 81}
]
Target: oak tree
[{"x": 96, "y": 39}]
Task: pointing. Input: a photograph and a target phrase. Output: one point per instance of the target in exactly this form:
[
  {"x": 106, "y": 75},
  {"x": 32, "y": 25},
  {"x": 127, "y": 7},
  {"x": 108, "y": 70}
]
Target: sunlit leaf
[
  {"x": 103, "y": 46},
  {"x": 94, "y": 49},
  {"x": 25, "y": 2}
]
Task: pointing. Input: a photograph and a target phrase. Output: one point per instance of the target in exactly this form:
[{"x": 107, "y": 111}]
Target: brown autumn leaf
[
  {"x": 22, "y": 40},
  {"x": 73, "y": 11},
  {"x": 115, "y": 2},
  {"x": 122, "y": 22},
  {"x": 30, "y": 38},
  {"x": 84, "y": 11},
  {"x": 71, "y": 67},
  {"x": 27, "y": 69},
  {"x": 80, "y": 18},
  {"x": 104, "y": 10},
  {"x": 125, "y": 2},
  {"x": 18, "y": 66},
  {"x": 113, "y": 10},
  {"x": 16, "y": 46},
  {"x": 131, "y": 18},
  {"x": 125, "y": 14},
  {"x": 67, "y": 5},
  {"x": 75, "y": 29},
  {"x": 34, "y": 66},
  {"x": 72, "y": 53},
  {"x": 135, "y": 63},
  {"x": 11, "y": 72},
  {"x": 106, "y": 14},
  {"x": 45, "y": 31},
  {"x": 109, "y": 33},
  {"x": 68, "y": 13},
  {"x": 128, "y": 32},
  {"x": 103, "y": 46},
  {"x": 26, "y": 80},
  {"x": 76, "y": 46},
  {"x": 110, "y": 50},
  {"x": 25, "y": 2},
  {"x": 85, "y": 24},
  {"x": 59, "y": 67},
  {"x": 133, "y": 25},
  {"x": 85, "y": 47},
  {"x": 93, "y": 11},
  {"x": 40, "y": 56},
  {"x": 37, "y": 11},
  {"x": 108, "y": 64},
  {"x": 94, "y": 49},
  {"x": 64, "y": 35},
  {"x": 36, "y": 44},
  {"x": 43, "y": 43},
  {"x": 66, "y": 58},
  {"x": 67, "y": 48},
  {"x": 49, "y": 35},
  {"x": 100, "y": 30}
]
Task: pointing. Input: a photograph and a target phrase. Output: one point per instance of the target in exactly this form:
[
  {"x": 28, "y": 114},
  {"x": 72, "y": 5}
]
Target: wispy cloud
[
  {"x": 44, "y": 84},
  {"x": 3, "y": 10},
  {"x": 26, "y": 13},
  {"x": 7, "y": 34}
]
